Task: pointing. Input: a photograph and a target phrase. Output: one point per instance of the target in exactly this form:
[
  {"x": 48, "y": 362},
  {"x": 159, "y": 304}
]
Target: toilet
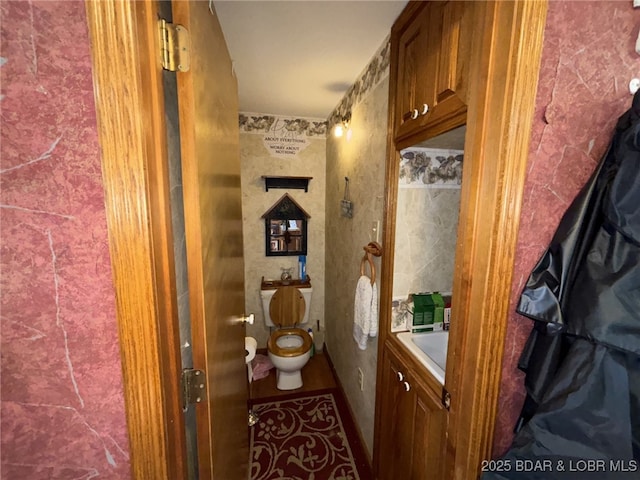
[{"x": 289, "y": 347}]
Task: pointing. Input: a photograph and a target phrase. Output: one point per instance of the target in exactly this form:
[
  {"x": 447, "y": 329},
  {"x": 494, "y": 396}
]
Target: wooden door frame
[
  {"x": 507, "y": 48},
  {"x": 129, "y": 99},
  {"x": 129, "y": 105}
]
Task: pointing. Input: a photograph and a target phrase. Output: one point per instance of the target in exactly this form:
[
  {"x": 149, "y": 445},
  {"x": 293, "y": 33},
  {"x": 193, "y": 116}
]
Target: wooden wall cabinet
[
  {"x": 413, "y": 433},
  {"x": 431, "y": 45}
]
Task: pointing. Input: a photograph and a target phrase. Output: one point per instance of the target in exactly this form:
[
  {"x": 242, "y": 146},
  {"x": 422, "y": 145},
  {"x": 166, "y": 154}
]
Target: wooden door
[
  {"x": 209, "y": 138},
  {"x": 127, "y": 74}
]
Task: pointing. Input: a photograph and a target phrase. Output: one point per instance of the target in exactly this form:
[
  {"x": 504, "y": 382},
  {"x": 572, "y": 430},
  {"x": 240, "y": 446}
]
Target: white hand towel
[
  {"x": 373, "y": 330},
  {"x": 365, "y": 312}
]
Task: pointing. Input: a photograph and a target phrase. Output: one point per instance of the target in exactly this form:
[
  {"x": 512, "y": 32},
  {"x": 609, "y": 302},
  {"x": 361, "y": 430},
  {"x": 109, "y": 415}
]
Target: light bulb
[{"x": 338, "y": 130}]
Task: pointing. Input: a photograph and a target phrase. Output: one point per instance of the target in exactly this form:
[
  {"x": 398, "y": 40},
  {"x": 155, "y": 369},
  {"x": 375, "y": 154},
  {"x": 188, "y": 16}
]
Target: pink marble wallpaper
[
  {"x": 61, "y": 402},
  {"x": 588, "y": 60}
]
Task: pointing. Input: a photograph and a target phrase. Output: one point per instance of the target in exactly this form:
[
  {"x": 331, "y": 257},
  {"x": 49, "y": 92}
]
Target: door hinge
[
  {"x": 446, "y": 398},
  {"x": 175, "y": 44},
  {"x": 194, "y": 389}
]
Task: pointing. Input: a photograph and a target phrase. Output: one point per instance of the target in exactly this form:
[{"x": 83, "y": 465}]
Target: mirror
[
  {"x": 428, "y": 205},
  {"x": 285, "y": 228},
  {"x": 286, "y": 237}
]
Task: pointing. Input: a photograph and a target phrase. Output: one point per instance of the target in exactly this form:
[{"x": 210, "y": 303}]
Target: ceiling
[{"x": 298, "y": 58}]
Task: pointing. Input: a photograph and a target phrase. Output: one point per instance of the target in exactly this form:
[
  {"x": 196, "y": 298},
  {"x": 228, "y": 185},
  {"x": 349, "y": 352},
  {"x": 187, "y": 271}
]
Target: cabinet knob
[
  {"x": 407, "y": 387},
  {"x": 425, "y": 109},
  {"x": 400, "y": 376},
  {"x": 414, "y": 114}
]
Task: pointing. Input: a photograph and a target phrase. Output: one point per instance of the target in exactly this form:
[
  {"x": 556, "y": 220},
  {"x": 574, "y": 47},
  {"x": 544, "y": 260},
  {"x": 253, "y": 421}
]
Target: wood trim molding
[
  {"x": 500, "y": 116},
  {"x": 388, "y": 238},
  {"x": 508, "y": 39},
  {"x": 130, "y": 113}
]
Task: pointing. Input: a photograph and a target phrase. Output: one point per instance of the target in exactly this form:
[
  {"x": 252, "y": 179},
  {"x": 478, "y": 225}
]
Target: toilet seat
[
  {"x": 275, "y": 349},
  {"x": 287, "y": 310},
  {"x": 287, "y": 307}
]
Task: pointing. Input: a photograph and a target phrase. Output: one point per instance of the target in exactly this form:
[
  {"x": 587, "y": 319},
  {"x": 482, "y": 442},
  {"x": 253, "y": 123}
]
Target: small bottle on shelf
[{"x": 302, "y": 267}]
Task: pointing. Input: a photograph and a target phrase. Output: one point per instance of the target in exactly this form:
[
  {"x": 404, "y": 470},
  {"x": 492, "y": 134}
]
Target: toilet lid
[
  {"x": 287, "y": 306},
  {"x": 273, "y": 347}
]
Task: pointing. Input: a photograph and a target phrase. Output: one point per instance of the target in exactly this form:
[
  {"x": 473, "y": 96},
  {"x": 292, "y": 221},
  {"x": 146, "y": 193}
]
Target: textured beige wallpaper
[
  {"x": 257, "y": 159},
  {"x": 362, "y": 159},
  {"x": 426, "y": 221},
  {"x": 335, "y": 243}
]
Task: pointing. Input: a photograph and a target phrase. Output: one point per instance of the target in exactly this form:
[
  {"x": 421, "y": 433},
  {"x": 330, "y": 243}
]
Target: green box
[{"x": 428, "y": 312}]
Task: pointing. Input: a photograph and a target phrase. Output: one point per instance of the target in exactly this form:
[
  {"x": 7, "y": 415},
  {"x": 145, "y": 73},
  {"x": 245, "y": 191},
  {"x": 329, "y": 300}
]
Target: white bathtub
[{"x": 430, "y": 349}]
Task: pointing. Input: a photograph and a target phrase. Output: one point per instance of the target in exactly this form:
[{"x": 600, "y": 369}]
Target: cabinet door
[
  {"x": 429, "y": 436},
  {"x": 453, "y": 61},
  {"x": 389, "y": 451},
  {"x": 406, "y": 421},
  {"x": 415, "y": 85},
  {"x": 413, "y": 428},
  {"x": 432, "y": 70}
]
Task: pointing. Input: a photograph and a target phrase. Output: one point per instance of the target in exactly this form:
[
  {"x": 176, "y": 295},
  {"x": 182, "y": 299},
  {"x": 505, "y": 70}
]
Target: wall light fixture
[{"x": 342, "y": 126}]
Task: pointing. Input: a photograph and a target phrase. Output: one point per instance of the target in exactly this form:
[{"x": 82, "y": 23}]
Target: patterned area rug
[{"x": 302, "y": 439}]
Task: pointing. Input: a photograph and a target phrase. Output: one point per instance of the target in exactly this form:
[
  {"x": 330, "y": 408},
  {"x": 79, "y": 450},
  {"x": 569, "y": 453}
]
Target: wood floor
[{"x": 316, "y": 375}]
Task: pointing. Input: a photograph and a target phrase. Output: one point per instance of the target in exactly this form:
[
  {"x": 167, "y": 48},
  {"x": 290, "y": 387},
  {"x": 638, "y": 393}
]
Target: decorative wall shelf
[{"x": 301, "y": 183}]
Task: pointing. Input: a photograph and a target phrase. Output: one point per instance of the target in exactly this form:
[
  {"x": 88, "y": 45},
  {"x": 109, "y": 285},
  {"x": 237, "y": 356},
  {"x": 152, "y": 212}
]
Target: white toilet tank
[{"x": 266, "y": 296}]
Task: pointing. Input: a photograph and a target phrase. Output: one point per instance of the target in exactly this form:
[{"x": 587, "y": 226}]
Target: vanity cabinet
[
  {"x": 430, "y": 60},
  {"x": 414, "y": 422}
]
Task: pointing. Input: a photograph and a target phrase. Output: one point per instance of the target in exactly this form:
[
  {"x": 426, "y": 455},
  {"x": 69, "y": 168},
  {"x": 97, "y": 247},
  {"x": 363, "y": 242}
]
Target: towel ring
[
  {"x": 372, "y": 267},
  {"x": 372, "y": 248}
]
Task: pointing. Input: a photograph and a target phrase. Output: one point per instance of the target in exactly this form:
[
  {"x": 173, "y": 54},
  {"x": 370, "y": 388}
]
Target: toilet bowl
[{"x": 289, "y": 347}]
